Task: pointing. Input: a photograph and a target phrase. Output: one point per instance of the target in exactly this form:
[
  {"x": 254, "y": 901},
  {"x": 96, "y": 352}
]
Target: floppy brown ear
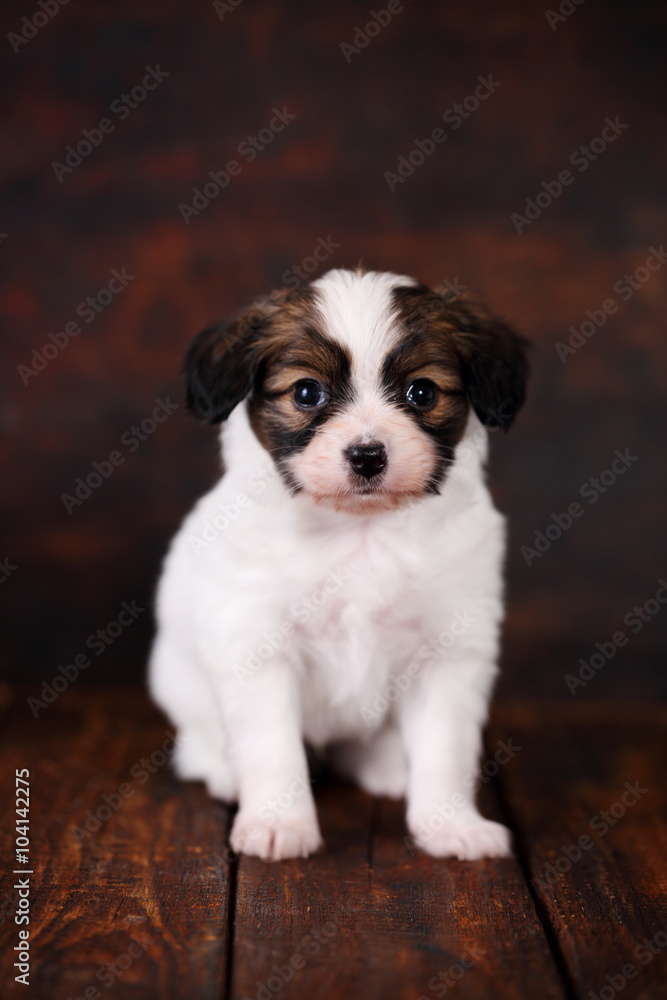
[
  {"x": 221, "y": 362},
  {"x": 495, "y": 365}
]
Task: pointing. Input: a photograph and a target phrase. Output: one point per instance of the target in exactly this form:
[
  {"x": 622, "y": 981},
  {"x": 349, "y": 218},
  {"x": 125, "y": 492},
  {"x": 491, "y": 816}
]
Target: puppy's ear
[
  {"x": 221, "y": 362},
  {"x": 495, "y": 365}
]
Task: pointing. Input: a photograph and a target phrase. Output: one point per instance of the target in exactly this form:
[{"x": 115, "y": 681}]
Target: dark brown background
[{"x": 323, "y": 176}]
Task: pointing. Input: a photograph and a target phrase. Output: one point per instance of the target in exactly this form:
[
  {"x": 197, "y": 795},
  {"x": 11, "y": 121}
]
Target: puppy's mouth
[
  {"x": 363, "y": 498},
  {"x": 365, "y": 489}
]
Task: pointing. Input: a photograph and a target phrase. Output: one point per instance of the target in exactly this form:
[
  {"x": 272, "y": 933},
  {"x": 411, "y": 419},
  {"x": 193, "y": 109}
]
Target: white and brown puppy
[{"x": 342, "y": 582}]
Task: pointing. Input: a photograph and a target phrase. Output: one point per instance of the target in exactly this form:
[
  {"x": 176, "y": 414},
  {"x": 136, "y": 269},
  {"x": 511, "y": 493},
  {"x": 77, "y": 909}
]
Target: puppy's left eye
[
  {"x": 422, "y": 394},
  {"x": 308, "y": 394}
]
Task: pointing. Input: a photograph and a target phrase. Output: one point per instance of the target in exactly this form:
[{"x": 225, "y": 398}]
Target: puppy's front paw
[
  {"x": 465, "y": 839},
  {"x": 285, "y": 837}
]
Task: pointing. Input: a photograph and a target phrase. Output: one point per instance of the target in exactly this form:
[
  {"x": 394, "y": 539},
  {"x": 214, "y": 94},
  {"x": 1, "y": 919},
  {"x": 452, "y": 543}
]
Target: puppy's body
[{"x": 305, "y": 600}]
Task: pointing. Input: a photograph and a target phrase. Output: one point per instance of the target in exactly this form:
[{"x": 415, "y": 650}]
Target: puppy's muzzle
[{"x": 367, "y": 460}]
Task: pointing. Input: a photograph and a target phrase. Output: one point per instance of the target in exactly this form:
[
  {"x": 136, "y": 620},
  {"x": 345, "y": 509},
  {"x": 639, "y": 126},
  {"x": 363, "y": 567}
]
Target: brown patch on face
[
  {"x": 456, "y": 356},
  {"x": 450, "y": 403},
  {"x": 222, "y": 361},
  {"x": 491, "y": 357},
  {"x": 295, "y": 348},
  {"x": 427, "y": 351}
]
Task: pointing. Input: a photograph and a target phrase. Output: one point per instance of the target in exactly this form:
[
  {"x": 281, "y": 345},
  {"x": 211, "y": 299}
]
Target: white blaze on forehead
[{"x": 357, "y": 312}]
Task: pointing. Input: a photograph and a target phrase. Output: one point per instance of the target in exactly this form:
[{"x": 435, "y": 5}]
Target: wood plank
[
  {"x": 393, "y": 924},
  {"x": 587, "y": 794},
  {"x": 148, "y": 891},
  {"x": 365, "y": 919},
  {"x": 298, "y": 913}
]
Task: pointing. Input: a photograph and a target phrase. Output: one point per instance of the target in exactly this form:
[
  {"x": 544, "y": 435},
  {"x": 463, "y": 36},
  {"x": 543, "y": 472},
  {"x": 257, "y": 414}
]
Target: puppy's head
[{"x": 359, "y": 385}]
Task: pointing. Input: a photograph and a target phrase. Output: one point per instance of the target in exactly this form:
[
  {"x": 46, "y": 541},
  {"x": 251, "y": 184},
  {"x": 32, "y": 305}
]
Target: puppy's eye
[
  {"x": 308, "y": 394},
  {"x": 422, "y": 394}
]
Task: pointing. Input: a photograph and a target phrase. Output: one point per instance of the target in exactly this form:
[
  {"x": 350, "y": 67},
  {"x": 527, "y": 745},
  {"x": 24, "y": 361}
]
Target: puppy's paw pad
[
  {"x": 467, "y": 840},
  {"x": 289, "y": 838}
]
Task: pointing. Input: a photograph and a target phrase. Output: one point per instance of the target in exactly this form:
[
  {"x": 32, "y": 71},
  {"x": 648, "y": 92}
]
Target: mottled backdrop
[{"x": 544, "y": 196}]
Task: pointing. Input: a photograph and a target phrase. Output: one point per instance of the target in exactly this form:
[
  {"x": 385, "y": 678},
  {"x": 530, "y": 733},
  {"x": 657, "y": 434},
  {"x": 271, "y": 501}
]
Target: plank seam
[
  {"x": 541, "y": 912},
  {"x": 232, "y": 877},
  {"x": 373, "y": 827}
]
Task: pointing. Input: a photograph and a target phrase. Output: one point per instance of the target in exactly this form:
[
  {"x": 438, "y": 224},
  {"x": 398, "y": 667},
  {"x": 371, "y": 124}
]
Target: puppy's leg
[
  {"x": 441, "y": 716},
  {"x": 201, "y": 755},
  {"x": 378, "y": 765},
  {"x": 184, "y": 693},
  {"x": 276, "y": 817}
]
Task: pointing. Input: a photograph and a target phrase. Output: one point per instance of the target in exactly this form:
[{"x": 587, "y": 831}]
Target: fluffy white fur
[{"x": 374, "y": 633}]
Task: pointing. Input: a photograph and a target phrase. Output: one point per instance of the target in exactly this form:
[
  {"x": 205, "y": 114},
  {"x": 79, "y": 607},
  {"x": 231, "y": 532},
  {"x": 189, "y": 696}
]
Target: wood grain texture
[
  {"x": 393, "y": 924},
  {"x": 146, "y": 892},
  {"x": 155, "y": 892},
  {"x": 587, "y": 797}
]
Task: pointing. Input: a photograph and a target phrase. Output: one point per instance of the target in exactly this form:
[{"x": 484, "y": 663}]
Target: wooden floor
[{"x": 134, "y": 893}]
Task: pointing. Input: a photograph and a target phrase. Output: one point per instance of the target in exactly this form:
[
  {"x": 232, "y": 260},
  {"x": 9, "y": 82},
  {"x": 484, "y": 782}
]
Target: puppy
[{"x": 341, "y": 584}]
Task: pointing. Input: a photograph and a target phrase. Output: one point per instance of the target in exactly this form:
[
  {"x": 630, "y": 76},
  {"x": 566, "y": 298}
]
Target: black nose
[{"x": 367, "y": 460}]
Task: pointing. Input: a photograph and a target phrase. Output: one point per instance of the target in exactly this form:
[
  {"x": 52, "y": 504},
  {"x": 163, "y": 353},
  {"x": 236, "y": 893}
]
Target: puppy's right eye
[
  {"x": 308, "y": 394},
  {"x": 422, "y": 394}
]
